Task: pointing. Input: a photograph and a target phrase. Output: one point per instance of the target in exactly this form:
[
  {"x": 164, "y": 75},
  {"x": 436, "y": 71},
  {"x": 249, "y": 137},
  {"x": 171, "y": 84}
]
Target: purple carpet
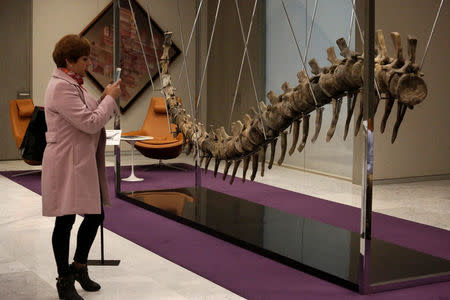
[{"x": 243, "y": 272}]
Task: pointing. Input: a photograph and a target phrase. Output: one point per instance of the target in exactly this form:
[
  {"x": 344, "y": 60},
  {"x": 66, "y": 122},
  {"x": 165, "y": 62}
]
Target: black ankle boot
[
  {"x": 81, "y": 275},
  {"x": 66, "y": 288}
]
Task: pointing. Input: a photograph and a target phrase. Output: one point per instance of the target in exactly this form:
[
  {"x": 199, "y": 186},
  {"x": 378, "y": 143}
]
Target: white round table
[{"x": 132, "y": 139}]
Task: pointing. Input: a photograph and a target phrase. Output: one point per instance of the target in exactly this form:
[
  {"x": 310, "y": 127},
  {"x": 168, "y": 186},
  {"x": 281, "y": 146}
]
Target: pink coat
[{"x": 73, "y": 167}]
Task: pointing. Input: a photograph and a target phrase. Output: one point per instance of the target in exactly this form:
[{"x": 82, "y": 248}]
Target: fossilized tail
[{"x": 398, "y": 79}]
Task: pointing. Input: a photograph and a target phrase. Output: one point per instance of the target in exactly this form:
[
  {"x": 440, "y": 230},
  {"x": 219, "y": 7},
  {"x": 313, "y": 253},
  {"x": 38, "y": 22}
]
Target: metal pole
[
  {"x": 198, "y": 78},
  {"x": 102, "y": 245},
  {"x": 368, "y": 113},
  {"x": 116, "y": 64},
  {"x": 102, "y": 261}
]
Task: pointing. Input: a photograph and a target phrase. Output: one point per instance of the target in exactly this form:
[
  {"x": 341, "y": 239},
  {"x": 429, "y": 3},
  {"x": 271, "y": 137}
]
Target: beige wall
[
  {"x": 54, "y": 18},
  {"x": 423, "y": 143}
]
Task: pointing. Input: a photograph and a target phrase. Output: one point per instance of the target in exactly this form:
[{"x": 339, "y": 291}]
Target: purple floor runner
[{"x": 243, "y": 272}]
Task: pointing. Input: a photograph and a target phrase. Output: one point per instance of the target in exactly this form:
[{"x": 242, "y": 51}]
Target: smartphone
[{"x": 117, "y": 75}]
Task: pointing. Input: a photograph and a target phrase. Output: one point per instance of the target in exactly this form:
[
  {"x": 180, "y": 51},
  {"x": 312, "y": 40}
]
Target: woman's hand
[{"x": 112, "y": 90}]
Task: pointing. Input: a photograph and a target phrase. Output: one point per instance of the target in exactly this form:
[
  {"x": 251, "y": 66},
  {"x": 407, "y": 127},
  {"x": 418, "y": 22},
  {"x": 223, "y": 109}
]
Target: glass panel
[
  {"x": 292, "y": 224},
  {"x": 300, "y": 242},
  {"x": 294, "y": 213},
  {"x": 332, "y": 21},
  {"x": 411, "y": 206}
]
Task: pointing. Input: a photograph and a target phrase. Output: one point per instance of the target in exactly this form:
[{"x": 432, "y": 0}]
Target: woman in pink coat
[{"x": 73, "y": 167}]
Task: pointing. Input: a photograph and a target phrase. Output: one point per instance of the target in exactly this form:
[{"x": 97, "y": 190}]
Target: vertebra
[{"x": 397, "y": 80}]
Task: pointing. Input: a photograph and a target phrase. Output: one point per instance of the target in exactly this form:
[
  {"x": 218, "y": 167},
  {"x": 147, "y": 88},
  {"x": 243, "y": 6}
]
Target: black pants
[{"x": 85, "y": 238}]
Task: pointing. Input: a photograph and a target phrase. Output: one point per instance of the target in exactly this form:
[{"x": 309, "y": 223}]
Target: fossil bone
[
  {"x": 262, "y": 158},
  {"x": 295, "y": 134},
  {"x": 273, "y": 145},
  {"x": 235, "y": 168},
  {"x": 336, "y": 110},
  {"x": 398, "y": 79},
  {"x": 304, "y": 132},
  {"x": 350, "y": 107}
]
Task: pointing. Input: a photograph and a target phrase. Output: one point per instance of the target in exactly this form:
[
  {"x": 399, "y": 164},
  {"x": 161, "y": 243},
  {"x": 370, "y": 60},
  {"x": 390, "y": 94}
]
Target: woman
[{"x": 73, "y": 166}]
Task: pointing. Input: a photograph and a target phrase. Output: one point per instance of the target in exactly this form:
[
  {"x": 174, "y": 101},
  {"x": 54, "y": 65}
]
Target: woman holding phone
[{"x": 73, "y": 166}]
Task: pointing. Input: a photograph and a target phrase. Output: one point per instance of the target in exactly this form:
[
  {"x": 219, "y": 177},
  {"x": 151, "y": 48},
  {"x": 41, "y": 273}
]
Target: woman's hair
[{"x": 70, "y": 47}]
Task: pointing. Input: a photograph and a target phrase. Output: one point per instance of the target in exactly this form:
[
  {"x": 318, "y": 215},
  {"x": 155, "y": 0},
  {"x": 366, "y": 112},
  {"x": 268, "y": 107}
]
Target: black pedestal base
[{"x": 320, "y": 249}]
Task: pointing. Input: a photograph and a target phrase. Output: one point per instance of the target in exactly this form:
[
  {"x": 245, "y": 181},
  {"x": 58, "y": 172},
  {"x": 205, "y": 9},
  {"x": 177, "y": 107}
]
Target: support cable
[
  {"x": 306, "y": 20},
  {"x": 300, "y": 53},
  {"x": 140, "y": 43},
  {"x": 431, "y": 34},
  {"x": 187, "y": 77},
  {"x": 191, "y": 34},
  {"x": 310, "y": 29},
  {"x": 245, "y": 54},
  {"x": 157, "y": 59},
  {"x": 207, "y": 54},
  {"x": 352, "y": 21},
  {"x": 153, "y": 40}
]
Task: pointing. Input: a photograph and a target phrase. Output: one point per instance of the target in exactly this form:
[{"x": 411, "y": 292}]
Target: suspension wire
[
  {"x": 431, "y": 34},
  {"x": 245, "y": 40},
  {"x": 184, "y": 57},
  {"x": 140, "y": 43},
  {"x": 157, "y": 60},
  {"x": 299, "y": 52},
  {"x": 352, "y": 20},
  {"x": 191, "y": 34},
  {"x": 242, "y": 61},
  {"x": 361, "y": 33},
  {"x": 187, "y": 77},
  {"x": 306, "y": 20},
  {"x": 306, "y": 36},
  {"x": 153, "y": 40},
  {"x": 310, "y": 29},
  {"x": 207, "y": 54},
  {"x": 362, "y": 41}
]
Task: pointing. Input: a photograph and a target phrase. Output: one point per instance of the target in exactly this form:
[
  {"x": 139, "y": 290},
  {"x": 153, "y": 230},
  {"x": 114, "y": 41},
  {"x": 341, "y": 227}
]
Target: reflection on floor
[{"x": 25, "y": 250}]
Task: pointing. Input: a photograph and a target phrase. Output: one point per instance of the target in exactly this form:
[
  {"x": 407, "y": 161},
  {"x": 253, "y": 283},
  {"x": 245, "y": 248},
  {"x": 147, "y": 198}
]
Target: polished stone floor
[{"x": 27, "y": 268}]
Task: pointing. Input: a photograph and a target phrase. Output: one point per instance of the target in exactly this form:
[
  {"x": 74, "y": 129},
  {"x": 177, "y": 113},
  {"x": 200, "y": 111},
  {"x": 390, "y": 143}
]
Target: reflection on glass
[
  {"x": 171, "y": 202},
  {"x": 321, "y": 249}
]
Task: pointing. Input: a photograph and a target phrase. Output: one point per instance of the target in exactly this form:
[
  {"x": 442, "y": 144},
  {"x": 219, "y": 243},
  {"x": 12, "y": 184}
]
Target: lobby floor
[{"x": 27, "y": 269}]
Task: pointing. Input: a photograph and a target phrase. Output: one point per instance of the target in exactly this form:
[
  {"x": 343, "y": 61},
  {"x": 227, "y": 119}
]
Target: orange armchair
[
  {"x": 20, "y": 112},
  {"x": 163, "y": 145}
]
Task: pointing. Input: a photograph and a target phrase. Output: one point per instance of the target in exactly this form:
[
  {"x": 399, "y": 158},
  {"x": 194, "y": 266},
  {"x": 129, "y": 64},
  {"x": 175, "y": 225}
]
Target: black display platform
[{"x": 320, "y": 249}]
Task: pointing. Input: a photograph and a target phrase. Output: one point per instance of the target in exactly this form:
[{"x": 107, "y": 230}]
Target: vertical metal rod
[
  {"x": 368, "y": 113},
  {"x": 102, "y": 245},
  {"x": 198, "y": 54},
  {"x": 197, "y": 171},
  {"x": 361, "y": 33},
  {"x": 196, "y": 135},
  {"x": 157, "y": 60},
  {"x": 185, "y": 64},
  {"x": 116, "y": 63}
]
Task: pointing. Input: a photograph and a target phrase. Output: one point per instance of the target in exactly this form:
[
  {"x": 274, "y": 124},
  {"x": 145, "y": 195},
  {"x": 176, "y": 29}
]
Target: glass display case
[{"x": 318, "y": 210}]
